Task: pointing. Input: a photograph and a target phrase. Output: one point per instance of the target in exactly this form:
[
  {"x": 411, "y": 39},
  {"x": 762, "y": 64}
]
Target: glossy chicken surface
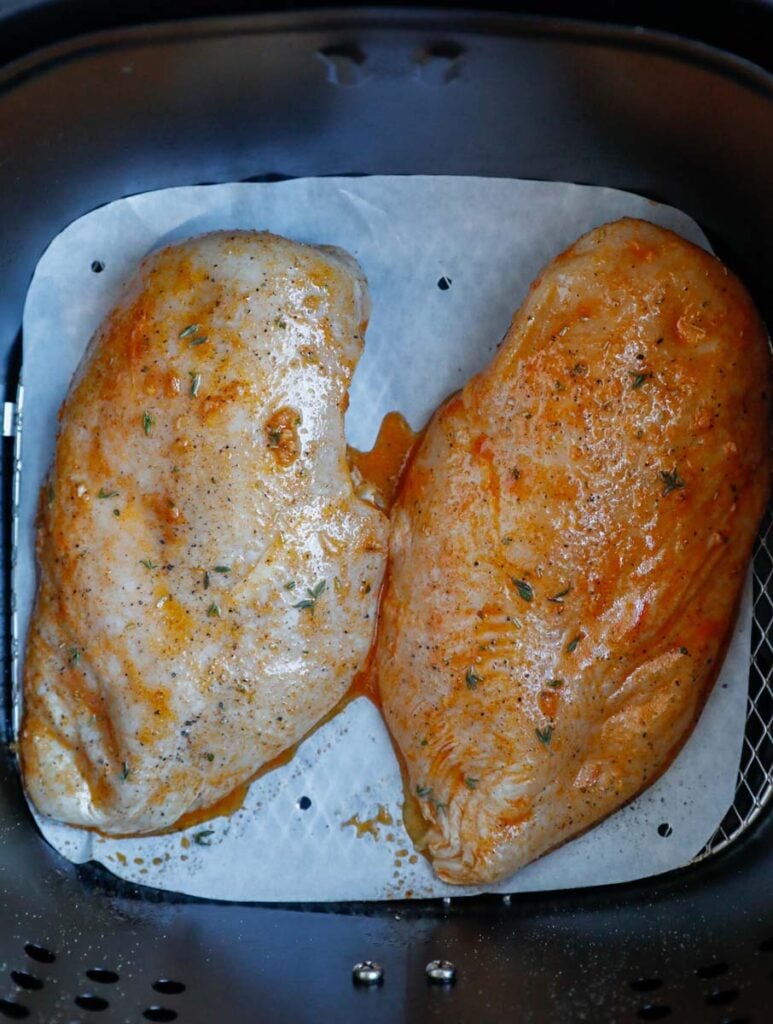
[
  {"x": 208, "y": 575},
  {"x": 568, "y": 548}
]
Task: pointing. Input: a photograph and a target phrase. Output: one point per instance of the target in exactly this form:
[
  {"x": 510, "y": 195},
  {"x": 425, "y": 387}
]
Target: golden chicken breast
[
  {"x": 568, "y": 548},
  {"x": 208, "y": 575}
]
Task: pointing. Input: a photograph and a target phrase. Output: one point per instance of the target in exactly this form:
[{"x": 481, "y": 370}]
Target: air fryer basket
[{"x": 260, "y": 98}]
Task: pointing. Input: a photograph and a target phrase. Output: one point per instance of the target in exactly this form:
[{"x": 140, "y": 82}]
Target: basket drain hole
[
  {"x": 14, "y": 1011},
  {"x": 168, "y": 987},
  {"x": 39, "y": 953},
  {"x": 97, "y": 266},
  {"x": 27, "y": 981},
  {"x": 665, "y": 830},
  {"x": 646, "y": 984},
  {"x": 654, "y": 1011},
  {"x": 345, "y": 63},
  {"x": 89, "y": 1002},
  {"x": 102, "y": 975},
  {"x": 721, "y": 997},
  {"x": 304, "y": 803},
  {"x": 439, "y": 63},
  {"x": 159, "y": 1013}
]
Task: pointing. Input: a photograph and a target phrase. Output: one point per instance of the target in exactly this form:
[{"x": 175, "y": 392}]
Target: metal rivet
[
  {"x": 367, "y": 972},
  {"x": 507, "y": 900},
  {"x": 441, "y": 971},
  {"x": 447, "y": 901}
]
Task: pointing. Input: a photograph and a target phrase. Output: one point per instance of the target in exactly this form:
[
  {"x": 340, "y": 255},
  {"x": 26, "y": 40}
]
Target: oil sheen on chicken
[
  {"x": 568, "y": 549},
  {"x": 208, "y": 575}
]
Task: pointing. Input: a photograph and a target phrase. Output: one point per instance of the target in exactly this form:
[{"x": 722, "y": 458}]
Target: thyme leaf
[
  {"x": 471, "y": 679},
  {"x": 525, "y": 589},
  {"x": 671, "y": 481},
  {"x": 544, "y": 735}
]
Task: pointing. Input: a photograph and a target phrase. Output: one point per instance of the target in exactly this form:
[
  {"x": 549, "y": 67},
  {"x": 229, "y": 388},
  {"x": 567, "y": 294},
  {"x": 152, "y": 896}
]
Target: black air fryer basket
[{"x": 99, "y": 101}]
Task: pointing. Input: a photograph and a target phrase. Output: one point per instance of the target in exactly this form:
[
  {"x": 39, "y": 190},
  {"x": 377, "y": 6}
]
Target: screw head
[
  {"x": 367, "y": 972},
  {"x": 442, "y": 972}
]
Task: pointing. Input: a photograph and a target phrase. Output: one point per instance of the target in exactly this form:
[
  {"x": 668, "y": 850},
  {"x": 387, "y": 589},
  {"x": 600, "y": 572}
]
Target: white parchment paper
[{"x": 327, "y": 826}]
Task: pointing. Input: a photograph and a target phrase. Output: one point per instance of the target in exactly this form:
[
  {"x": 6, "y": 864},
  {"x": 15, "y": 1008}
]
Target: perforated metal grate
[{"x": 755, "y": 774}]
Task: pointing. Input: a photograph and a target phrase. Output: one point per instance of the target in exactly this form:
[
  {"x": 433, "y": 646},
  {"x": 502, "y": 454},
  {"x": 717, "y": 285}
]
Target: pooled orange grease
[{"x": 381, "y": 467}]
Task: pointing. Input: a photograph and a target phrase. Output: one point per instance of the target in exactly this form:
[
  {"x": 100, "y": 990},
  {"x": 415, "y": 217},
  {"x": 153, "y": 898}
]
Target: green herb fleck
[
  {"x": 544, "y": 735},
  {"x": 559, "y": 597},
  {"x": 440, "y": 807},
  {"x": 555, "y": 683},
  {"x": 148, "y": 564},
  {"x": 210, "y": 757},
  {"x": 280, "y": 322},
  {"x": 422, "y": 792},
  {"x": 471, "y": 679},
  {"x": 637, "y": 379},
  {"x": 186, "y": 332},
  {"x": 175, "y": 469},
  {"x": 125, "y": 772},
  {"x": 198, "y": 340},
  {"x": 515, "y": 473},
  {"x": 116, "y": 512},
  {"x": 202, "y": 838},
  {"x": 290, "y": 585},
  {"x": 107, "y": 494},
  {"x": 206, "y": 580},
  {"x": 471, "y": 783},
  {"x": 507, "y": 540},
  {"x": 423, "y": 741},
  {"x": 74, "y": 655},
  {"x": 671, "y": 481},
  {"x": 310, "y": 602},
  {"x": 214, "y": 610},
  {"x": 147, "y": 422},
  {"x": 579, "y": 369},
  {"x": 524, "y": 589},
  {"x": 274, "y": 436},
  {"x": 572, "y": 645},
  {"x": 222, "y": 568},
  {"x": 50, "y": 494},
  {"x": 195, "y": 383}
]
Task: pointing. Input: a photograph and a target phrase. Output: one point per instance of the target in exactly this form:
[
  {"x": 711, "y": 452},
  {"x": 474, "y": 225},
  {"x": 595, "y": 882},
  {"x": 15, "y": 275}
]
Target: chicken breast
[
  {"x": 208, "y": 575},
  {"x": 568, "y": 549}
]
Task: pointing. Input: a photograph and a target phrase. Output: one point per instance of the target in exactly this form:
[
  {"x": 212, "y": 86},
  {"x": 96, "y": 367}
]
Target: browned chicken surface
[{"x": 569, "y": 546}]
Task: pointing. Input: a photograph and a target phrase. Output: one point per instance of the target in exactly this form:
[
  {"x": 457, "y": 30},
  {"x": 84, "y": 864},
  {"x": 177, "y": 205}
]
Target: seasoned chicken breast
[
  {"x": 568, "y": 548},
  {"x": 208, "y": 575}
]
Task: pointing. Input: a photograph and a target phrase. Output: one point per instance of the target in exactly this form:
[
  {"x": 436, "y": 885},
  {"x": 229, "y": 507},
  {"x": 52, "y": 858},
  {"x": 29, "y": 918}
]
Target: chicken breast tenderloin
[
  {"x": 569, "y": 546},
  {"x": 208, "y": 576}
]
